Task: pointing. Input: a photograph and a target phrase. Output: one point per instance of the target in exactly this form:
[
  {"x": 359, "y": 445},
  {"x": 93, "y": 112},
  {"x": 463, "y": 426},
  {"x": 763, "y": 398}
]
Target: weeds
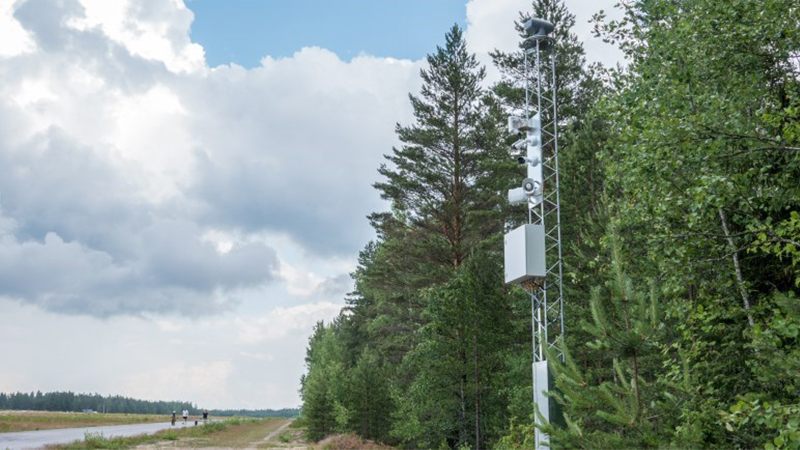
[
  {"x": 286, "y": 437},
  {"x": 97, "y": 440}
]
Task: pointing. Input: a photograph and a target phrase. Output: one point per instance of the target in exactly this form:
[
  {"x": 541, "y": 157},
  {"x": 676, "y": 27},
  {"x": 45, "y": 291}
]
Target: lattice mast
[{"x": 533, "y": 251}]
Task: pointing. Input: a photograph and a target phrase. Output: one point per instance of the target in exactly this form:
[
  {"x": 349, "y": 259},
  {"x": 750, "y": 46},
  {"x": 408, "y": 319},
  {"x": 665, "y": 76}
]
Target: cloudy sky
[{"x": 184, "y": 183}]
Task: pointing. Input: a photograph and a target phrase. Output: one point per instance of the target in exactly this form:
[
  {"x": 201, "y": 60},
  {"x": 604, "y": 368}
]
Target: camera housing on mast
[
  {"x": 521, "y": 145},
  {"x": 517, "y": 125}
]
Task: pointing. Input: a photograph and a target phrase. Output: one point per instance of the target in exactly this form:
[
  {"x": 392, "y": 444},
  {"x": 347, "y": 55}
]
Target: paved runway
[{"x": 38, "y": 439}]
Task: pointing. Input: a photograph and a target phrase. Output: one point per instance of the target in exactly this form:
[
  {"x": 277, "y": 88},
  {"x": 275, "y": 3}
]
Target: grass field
[
  {"x": 248, "y": 434},
  {"x": 231, "y": 433},
  {"x": 45, "y": 420}
]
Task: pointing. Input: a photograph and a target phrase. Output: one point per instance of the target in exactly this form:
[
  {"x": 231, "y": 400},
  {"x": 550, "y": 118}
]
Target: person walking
[
  {"x": 205, "y": 415},
  {"x": 185, "y": 415},
  {"x": 174, "y": 417}
]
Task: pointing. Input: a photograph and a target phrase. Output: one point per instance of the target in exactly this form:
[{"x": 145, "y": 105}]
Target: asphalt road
[{"x": 38, "y": 439}]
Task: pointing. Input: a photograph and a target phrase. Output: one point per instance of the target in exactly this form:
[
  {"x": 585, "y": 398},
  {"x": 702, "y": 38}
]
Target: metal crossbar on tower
[{"x": 533, "y": 251}]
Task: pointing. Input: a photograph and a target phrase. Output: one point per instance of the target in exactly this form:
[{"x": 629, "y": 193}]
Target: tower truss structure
[
  {"x": 547, "y": 295},
  {"x": 533, "y": 251}
]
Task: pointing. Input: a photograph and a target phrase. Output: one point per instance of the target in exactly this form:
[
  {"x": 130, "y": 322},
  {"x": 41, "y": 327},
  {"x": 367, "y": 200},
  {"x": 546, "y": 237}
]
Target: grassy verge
[
  {"x": 293, "y": 437},
  {"x": 46, "y": 420},
  {"x": 290, "y": 437},
  {"x": 248, "y": 434},
  {"x": 232, "y": 433}
]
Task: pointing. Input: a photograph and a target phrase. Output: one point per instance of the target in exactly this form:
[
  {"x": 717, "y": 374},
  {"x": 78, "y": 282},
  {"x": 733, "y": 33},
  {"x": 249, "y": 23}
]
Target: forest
[
  {"x": 680, "y": 217},
  {"x": 76, "y": 402}
]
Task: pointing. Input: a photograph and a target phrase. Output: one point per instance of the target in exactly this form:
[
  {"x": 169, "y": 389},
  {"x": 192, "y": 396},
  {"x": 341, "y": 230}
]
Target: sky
[{"x": 184, "y": 185}]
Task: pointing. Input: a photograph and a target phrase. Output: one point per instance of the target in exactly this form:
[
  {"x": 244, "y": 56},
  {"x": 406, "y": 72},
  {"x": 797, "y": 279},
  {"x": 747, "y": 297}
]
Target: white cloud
[
  {"x": 14, "y": 40},
  {"x": 298, "y": 281},
  {"x": 153, "y": 29},
  {"x": 293, "y": 146},
  {"x": 281, "y": 322},
  {"x": 205, "y": 383},
  {"x": 490, "y": 24},
  {"x": 257, "y": 356},
  {"x": 150, "y": 132}
]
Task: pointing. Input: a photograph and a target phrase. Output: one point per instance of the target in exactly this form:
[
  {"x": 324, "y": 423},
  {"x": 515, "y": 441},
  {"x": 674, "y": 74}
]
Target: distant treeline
[
  {"x": 285, "y": 412},
  {"x": 70, "y": 401}
]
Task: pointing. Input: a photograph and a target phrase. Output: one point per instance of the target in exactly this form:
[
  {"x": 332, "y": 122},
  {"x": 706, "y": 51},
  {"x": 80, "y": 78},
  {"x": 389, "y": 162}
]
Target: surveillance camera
[
  {"x": 520, "y": 145},
  {"x": 516, "y": 196},
  {"x": 533, "y": 162}
]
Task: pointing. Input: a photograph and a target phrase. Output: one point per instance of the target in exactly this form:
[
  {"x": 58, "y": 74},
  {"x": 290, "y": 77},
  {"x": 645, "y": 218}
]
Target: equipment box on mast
[{"x": 524, "y": 254}]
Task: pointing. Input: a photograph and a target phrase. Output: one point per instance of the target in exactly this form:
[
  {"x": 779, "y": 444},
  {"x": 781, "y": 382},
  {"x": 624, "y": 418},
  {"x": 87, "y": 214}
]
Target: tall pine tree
[
  {"x": 439, "y": 183},
  {"x": 431, "y": 178}
]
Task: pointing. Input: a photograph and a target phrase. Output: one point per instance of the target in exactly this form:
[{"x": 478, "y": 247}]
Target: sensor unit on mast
[{"x": 538, "y": 28}]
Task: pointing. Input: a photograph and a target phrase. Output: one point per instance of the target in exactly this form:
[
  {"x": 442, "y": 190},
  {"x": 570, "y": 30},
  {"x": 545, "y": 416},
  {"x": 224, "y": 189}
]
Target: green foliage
[
  {"x": 772, "y": 412},
  {"x": 630, "y": 406},
  {"x": 433, "y": 177},
  {"x": 679, "y": 173},
  {"x": 97, "y": 440},
  {"x": 286, "y": 437},
  {"x": 322, "y": 410},
  {"x": 769, "y": 417},
  {"x": 71, "y": 401},
  {"x": 783, "y": 240},
  {"x": 368, "y": 397},
  {"x": 699, "y": 173},
  {"x": 459, "y": 366}
]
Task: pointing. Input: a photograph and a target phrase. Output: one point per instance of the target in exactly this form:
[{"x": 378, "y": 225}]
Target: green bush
[{"x": 286, "y": 437}]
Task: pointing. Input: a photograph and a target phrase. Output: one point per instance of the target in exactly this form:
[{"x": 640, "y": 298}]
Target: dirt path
[{"x": 278, "y": 430}]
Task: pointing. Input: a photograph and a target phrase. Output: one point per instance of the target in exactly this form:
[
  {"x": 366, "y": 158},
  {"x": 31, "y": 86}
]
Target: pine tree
[
  {"x": 457, "y": 395},
  {"x": 431, "y": 179},
  {"x": 322, "y": 387},
  {"x": 633, "y": 406},
  {"x": 368, "y": 398}
]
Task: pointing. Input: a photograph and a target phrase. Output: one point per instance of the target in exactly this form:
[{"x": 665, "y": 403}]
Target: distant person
[
  {"x": 174, "y": 418},
  {"x": 205, "y": 415},
  {"x": 185, "y": 415}
]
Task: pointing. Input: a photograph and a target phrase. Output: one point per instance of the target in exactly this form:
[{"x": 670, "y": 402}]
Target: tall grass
[{"x": 97, "y": 440}]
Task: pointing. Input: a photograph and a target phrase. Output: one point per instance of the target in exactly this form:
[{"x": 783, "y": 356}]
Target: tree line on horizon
[
  {"x": 77, "y": 402},
  {"x": 680, "y": 216}
]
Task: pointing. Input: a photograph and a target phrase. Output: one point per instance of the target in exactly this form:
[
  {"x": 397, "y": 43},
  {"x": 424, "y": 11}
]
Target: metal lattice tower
[
  {"x": 533, "y": 251},
  {"x": 547, "y": 293}
]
